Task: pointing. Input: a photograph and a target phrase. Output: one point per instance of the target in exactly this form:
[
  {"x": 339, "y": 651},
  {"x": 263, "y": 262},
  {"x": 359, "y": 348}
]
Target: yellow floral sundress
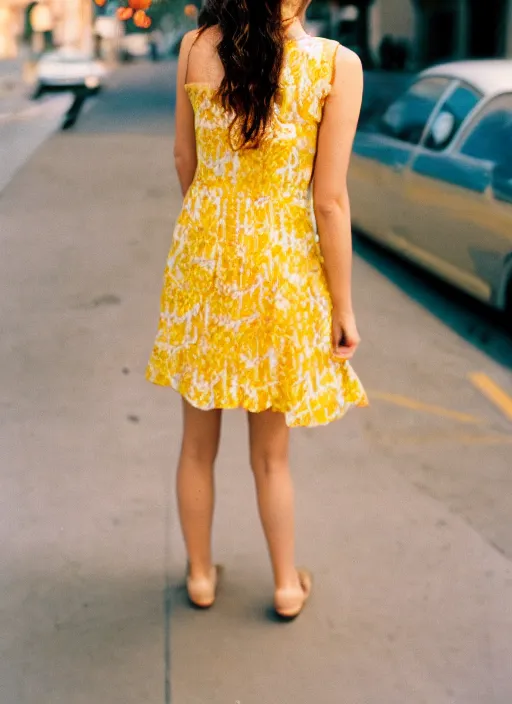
[{"x": 245, "y": 310}]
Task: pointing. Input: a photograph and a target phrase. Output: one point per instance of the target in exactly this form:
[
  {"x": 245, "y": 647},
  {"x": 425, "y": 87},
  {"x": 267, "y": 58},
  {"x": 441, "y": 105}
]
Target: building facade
[
  {"x": 71, "y": 22},
  {"x": 460, "y": 29},
  {"x": 11, "y": 27},
  {"x": 434, "y": 30}
]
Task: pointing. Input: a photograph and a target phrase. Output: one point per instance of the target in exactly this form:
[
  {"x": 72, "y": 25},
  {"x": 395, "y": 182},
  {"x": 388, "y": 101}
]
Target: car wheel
[
  {"x": 508, "y": 308},
  {"x": 38, "y": 91}
]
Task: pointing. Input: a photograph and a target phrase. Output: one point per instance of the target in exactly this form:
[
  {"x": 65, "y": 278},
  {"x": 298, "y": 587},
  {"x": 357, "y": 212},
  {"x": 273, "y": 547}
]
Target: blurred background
[
  {"x": 404, "y": 509},
  {"x": 386, "y": 33}
]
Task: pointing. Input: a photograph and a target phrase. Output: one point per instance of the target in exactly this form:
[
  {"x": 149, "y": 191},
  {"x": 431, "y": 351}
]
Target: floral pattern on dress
[{"x": 245, "y": 310}]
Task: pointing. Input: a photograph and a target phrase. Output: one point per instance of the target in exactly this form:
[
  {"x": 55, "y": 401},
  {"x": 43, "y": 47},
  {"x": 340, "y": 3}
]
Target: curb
[{"x": 47, "y": 104}]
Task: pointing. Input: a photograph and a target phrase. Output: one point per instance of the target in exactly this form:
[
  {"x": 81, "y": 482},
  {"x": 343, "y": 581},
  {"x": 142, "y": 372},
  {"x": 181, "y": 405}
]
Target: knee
[
  {"x": 198, "y": 452},
  {"x": 267, "y": 464}
]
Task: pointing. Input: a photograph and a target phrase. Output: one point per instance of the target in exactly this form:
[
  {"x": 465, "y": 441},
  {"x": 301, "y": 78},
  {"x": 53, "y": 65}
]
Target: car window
[
  {"x": 490, "y": 139},
  {"x": 406, "y": 118},
  {"x": 452, "y": 114}
]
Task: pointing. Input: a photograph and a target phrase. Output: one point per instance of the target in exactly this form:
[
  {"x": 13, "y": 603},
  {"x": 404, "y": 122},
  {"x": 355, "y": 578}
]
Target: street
[{"x": 403, "y": 509}]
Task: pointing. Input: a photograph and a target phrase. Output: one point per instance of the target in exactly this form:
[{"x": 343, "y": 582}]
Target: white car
[
  {"x": 69, "y": 69},
  {"x": 431, "y": 178}
]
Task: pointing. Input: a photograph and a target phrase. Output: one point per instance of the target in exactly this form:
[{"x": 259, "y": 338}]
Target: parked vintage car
[
  {"x": 69, "y": 69},
  {"x": 431, "y": 178}
]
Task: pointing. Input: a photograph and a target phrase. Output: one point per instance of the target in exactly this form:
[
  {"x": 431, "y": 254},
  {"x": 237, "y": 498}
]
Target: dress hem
[{"x": 362, "y": 402}]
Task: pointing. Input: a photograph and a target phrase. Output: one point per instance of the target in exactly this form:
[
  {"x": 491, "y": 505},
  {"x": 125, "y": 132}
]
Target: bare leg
[
  {"x": 269, "y": 437},
  {"x": 195, "y": 485}
]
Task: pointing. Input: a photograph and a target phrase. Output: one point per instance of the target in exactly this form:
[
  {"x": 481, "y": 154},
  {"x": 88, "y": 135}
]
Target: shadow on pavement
[
  {"x": 76, "y": 106},
  {"x": 472, "y": 320},
  {"x": 79, "y": 96}
]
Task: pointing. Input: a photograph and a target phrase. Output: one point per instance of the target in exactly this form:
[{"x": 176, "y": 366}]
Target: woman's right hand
[{"x": 345, "y": 337}]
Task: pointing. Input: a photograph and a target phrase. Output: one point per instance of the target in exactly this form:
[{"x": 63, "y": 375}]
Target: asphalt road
[{"x": 403, "y": 508}]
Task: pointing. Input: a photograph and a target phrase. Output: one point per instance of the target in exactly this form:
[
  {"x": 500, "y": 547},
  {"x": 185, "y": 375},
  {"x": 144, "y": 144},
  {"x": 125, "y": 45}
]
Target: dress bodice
[{"x": 283, "y": 162}]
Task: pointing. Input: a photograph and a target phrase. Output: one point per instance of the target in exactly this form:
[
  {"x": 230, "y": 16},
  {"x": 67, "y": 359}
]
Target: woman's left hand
[{"x": 345, "y": 337}]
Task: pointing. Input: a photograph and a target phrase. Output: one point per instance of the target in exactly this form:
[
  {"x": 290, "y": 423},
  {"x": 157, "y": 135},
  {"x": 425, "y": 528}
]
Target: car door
[
  {"x": 383, "y": 149},
  {"x": 460, "y": 221}
]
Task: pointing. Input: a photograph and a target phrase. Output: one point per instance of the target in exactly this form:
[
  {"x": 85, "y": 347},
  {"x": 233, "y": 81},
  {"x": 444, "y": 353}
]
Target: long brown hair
[{"x": 251, "y": 51}]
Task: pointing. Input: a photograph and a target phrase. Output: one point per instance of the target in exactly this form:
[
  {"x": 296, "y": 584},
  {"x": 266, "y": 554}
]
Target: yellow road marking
[
  {"x": 425, "y": 407},
  {"x": 493, "y": 392}
]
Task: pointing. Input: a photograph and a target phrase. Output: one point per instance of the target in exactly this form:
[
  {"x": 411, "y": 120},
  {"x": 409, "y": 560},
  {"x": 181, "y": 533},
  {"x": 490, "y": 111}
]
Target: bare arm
[
  {"x": 185, "y": 155},
  {"x": 330, "y": 194}
]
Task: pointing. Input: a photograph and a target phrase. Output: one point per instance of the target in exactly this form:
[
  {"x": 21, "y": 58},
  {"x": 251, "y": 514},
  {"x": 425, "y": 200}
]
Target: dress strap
[
  {"x": 330, "y": 50},
  {"x": 188, "y": 55}
]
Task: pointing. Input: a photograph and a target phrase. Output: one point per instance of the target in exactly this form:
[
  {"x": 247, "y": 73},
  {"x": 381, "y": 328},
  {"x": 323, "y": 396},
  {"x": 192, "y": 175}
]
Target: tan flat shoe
[
  {"x": 288, "y": 604},
  {"x": 202, "y": 592}
]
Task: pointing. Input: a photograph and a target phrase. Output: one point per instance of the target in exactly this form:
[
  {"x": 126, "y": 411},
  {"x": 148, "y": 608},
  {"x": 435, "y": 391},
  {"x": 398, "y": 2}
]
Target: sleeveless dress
[{"x": 245, "y": 309}]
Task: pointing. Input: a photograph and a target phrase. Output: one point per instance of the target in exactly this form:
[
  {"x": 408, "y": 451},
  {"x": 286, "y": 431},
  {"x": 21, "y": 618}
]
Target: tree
[{"x": 162, "y": 12}]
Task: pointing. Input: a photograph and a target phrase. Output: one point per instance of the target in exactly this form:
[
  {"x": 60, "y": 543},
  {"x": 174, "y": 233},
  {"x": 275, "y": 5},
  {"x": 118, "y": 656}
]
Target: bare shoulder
[
  {"x": 348, "y": 73},
  {"x": 188, "y": 40},
  {"x": 199, "y": 54},
  {"x": 204, "y": 41},
  {"x": 348, "y": 61}
]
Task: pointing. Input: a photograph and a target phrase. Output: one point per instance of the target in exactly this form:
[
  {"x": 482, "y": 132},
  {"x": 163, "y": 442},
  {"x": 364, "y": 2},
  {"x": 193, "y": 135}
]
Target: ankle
[
  {"x": 200, "y": 571},
  {"x": 288, "y": 582}
]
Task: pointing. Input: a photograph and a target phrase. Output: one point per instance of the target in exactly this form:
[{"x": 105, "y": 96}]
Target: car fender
[{"x": 506, "y": 281}]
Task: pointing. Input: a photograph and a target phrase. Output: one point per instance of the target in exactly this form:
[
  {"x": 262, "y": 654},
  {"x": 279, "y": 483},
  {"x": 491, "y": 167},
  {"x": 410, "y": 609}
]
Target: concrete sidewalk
[
  {"x": 25, "y": 126},
  {"x": 24, "y": 123},
  {"x": 411, "y": 604}
]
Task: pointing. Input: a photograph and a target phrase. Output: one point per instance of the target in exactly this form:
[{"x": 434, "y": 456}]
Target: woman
[{"x": 256, "y": 309}]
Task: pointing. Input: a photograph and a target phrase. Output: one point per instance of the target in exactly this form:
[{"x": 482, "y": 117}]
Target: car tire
[
  {"x": 507, "y": 313},
  {"x": 39, "y": 90}
]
